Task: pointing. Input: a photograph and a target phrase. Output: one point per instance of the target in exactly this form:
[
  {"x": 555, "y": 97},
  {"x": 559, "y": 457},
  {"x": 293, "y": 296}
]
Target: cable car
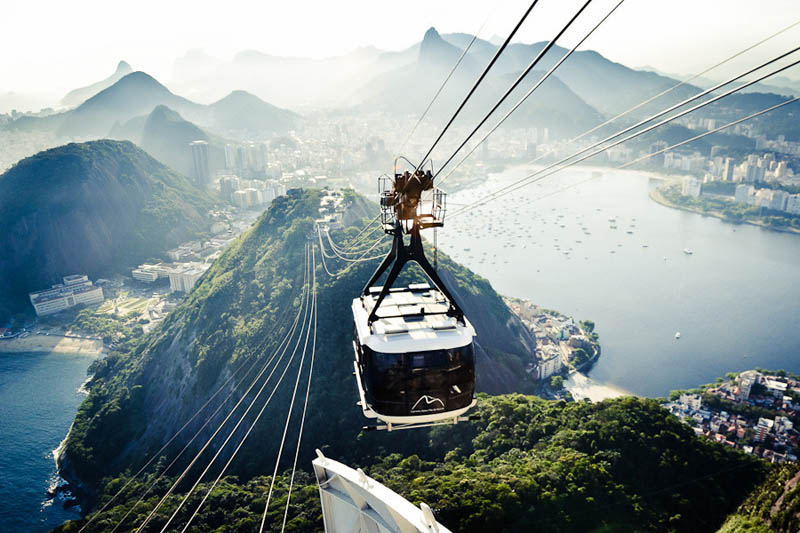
[{"x": 414, "y": 360}]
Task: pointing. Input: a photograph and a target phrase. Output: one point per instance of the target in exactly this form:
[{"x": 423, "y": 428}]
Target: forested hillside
[
  {"x": 89, "y": 208},
  {"x": 773, "y": 507},
  {"x": 236, "y": 315},
  {"x": 528, "y": 465},
  {"x": 620, "y": 465}
]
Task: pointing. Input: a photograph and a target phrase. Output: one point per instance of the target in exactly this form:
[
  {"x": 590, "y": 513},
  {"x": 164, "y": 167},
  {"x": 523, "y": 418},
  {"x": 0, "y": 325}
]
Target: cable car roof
[{"x": 411, "y": 319}]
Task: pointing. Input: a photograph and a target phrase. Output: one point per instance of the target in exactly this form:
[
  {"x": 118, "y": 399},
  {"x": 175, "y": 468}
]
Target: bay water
[
  {"x": 39, "y": 396},
  {"x": 592, "y": 244}
]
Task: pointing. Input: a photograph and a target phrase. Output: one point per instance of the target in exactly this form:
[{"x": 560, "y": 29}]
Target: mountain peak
[
  {"x": 136, "y": 80},
  {"x": 162, "y": 112},
  {"x": 239, "y": 97},
  {"x": 239, "y": 93},
  {"x": 139, "y": 76},
  {"x": 78, "y": 96},
  {"x": 434, "y": 49},
  {"x": 431, "y": 35}
]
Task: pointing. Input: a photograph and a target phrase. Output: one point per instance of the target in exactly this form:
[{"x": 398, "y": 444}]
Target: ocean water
[
  {"x": 735, "y": 300},
  {"x": 38, "y": 399}
]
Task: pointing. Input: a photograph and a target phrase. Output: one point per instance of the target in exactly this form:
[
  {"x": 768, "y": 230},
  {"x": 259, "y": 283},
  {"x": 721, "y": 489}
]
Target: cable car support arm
[{"x": 400, "y": 254}]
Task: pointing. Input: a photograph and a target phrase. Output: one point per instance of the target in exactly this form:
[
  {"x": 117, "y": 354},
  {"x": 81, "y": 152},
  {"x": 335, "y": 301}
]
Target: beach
[
  {"x": 53, "y": 343},
  {"x": 582, "y": 386}
]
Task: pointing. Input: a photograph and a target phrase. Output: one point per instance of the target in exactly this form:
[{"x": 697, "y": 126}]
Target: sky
[{"x": 53, "y": 46}]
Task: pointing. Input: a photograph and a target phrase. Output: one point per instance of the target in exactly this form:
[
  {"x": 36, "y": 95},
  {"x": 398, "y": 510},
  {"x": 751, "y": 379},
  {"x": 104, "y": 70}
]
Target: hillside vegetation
[
  {"x": 527, "y": 465},
  {"x": 167, "y": 136},
  {"x": 236, "y": 315},
  {"x": 774, "y": 507},
  {"x": 620, "y": 465},
  {"x": 92, "y": 208}
]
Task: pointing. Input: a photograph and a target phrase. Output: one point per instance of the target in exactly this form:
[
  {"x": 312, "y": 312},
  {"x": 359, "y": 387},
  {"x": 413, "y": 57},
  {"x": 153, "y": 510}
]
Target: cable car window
[
  {"x": 386, "y": 361},
  {"x": 431, "y": 359},
  {"x": 460, "y": 356}
]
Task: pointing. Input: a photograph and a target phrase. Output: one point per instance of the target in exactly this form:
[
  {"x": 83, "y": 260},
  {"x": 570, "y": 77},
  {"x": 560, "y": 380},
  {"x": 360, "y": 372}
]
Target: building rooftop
[
  {"x": 58, "y": 291},
  {"x": 409, "y": 318}
]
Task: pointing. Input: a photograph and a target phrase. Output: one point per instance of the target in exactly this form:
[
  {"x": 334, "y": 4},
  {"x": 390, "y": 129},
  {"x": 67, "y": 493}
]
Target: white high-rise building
[
  {"x": 230, "y": 156},
  {"x": 254, "y": 197},
  {"x": 781, "y": 170},
  {"x": 793, "y": 204},
  {"x": 764, "y": 197},
  {"x": 202, "y": 173},
  {"x": 779, "y": 200},
  {"x": 691, "y": 187},
  {"x": 745, "y": 194},
  {"x": 240, "y": 199},
  {"x": 228, "y": 185},
  {"x": 183, "y": 278},
  {"x": 727, "y": 171},
  {"x": 257, "y": 156}
]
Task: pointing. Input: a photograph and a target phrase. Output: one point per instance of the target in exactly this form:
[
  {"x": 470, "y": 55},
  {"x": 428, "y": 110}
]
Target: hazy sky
[{"x": 57, "y": 45}]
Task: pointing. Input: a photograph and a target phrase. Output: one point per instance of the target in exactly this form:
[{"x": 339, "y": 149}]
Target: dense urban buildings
[{"x": 751, "y": 411}]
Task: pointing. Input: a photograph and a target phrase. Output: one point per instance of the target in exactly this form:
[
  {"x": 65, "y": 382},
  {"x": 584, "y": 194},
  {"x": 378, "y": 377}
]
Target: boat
[
  {"x": 687, "y": 251},
  {"x": 677, "y": 334}
]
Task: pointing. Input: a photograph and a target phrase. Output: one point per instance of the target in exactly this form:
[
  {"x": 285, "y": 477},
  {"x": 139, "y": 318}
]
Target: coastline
[
  {"x": 54, "y": 343},
  {"x": 658, "y": 198},
  {"x": 582, "y": 387}
]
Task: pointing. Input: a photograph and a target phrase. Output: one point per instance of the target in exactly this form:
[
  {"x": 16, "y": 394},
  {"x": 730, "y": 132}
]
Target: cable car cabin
[{"x": 414, "y": 363}]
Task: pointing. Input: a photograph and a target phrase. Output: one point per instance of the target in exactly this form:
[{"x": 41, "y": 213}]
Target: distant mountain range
[
  {"x": 584, "y": 90},
  {"x": 78, "y": 96},
  {"x": 780, "y": 85},
  {"x": 239, "y": 115},
  {"x": 89, "y": 208},
  {"x": 354, "y": 79},
  {"x": 133, "y": 95},
  {"x": 409, "y": 88}
]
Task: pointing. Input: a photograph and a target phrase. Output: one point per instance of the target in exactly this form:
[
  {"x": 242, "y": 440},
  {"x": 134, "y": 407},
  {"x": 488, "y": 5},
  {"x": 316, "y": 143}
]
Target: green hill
[
  {"x": 133, "y": 95},
  {"x": 774, "y": 507},
  {"x": 245, "y": 115},
  {"x": 621, "y": 465},
  {"x": 235, "y": 308},
  {"x": 92, "y": 208},
  {"x": 118, "y": 109},
  {"x": 528, "y": 465},
  {"x": 166, "y": 136}
]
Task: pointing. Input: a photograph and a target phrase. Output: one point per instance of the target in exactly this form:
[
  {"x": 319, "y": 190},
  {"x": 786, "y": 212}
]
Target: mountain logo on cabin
[{"x": 429, "y": 401}]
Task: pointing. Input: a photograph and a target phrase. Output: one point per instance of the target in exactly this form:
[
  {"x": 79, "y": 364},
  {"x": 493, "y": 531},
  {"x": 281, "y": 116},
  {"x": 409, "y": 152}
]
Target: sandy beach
[
  {"x": 582, "y": 386},
  {"x": 53, "y": 343}
]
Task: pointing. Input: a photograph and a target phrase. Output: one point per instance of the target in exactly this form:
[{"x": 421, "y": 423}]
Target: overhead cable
[
  {"x": 562, "y": 163},
  {"x": 477, "y": 83},
  {"x": 521, "y": 100},
  {"x": 521, "y": 77}
]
